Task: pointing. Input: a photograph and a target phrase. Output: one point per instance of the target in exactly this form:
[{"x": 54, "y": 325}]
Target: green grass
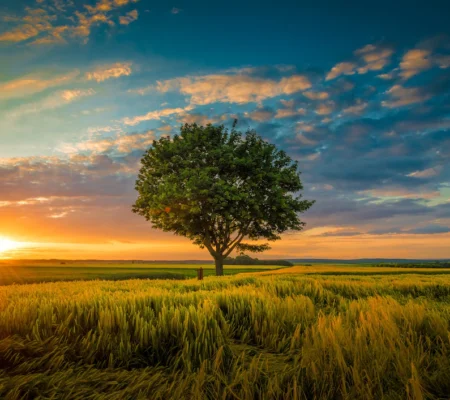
[
  {"x": 53, "y": 272},
  {"x": 254, "y": 336}
]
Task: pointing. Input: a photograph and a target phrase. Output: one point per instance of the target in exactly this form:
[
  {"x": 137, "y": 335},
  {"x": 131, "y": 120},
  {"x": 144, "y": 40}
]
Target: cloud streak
[
  {"x": 239, "y": 88},
  {"x": 104, "y": 72}
]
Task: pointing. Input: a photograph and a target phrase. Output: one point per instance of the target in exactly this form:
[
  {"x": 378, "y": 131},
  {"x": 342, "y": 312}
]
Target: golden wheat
[{"x": 243, "y": 337}]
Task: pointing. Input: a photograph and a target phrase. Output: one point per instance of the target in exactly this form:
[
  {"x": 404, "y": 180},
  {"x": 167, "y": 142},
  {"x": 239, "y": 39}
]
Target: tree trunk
[{"x": 219, "y": 266}]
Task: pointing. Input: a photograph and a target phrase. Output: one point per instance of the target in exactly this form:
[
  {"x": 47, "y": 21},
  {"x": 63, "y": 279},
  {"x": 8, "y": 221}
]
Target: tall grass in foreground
[{"x": 280, "y": 337}]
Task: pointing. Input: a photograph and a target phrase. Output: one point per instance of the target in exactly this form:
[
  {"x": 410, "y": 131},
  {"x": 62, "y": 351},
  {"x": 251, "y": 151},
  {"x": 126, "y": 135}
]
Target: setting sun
[{"x": 7, "y": 244}]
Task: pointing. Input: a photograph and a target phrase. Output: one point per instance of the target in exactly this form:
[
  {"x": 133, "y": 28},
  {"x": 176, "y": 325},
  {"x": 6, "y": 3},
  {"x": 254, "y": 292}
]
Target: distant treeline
[
  {"x": 435, "y": 264},
  {"x": 247, "y": 260}
]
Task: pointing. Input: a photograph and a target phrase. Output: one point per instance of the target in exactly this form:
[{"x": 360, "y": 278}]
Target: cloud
[
  {"x": 388, "y": 76},
  {"x": 122, "y": 143},
  {"x": 316, "y": 95},
  {"x": 31, "y": 84},
  {"x": 426, "y": 173},
  {"x": 58, "y": 22},
  {"x": 341, "y": 233},
  {"x": 102, "y": 73},
  {"x": 142, "y": 91},
  {"x": 373, "y": 58},
  {"x": 261, "y": 115},
  {"x": 414, "y": 62},
  {"x": 198, "y": 119},
  {"x": 343, "y": 68},
  {"x": 401, "y": 193},
  {"x": 289, "y": 112},
  {"x": 155, "y": 115},
  {"x": 401, "y": 96},
  {"x": 33, "y": 23},
  {"x": 55, "y": 100},
  {"x": 356, "y": 109},
  {"x": 367, "y": 58},
  {"x": 128, "y": 17},
  {"x": 429, "y": 230},
  {"x": 240, "y": 88},
  {"x": 325, "y": 108},
  {"x": 443, "y": 61}
]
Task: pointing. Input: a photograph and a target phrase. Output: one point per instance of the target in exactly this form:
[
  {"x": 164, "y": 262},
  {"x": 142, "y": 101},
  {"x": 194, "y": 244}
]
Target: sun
[{"x": 7, "y": 244}]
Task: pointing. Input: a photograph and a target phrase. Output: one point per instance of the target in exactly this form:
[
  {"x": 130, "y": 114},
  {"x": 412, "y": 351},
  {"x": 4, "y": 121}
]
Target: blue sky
[{"x": 358, "y": 94}]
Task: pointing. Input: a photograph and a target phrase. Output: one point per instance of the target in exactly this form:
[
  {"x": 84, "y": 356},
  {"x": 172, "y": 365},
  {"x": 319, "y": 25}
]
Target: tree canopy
[{"x": 221, "y": 189}]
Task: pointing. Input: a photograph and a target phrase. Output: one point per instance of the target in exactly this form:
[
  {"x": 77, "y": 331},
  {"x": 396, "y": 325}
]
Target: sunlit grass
[{"x": 284, "y": 336}]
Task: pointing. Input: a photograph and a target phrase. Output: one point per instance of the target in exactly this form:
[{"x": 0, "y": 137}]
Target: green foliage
[
  {"x": 218, "y": 188},
  {"x": 243, "y": 337},
  {"x": 247, "y": 260}
]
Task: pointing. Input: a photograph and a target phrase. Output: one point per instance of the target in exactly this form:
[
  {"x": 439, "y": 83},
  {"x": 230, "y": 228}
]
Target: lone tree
[{"x": 219, "y": 188}]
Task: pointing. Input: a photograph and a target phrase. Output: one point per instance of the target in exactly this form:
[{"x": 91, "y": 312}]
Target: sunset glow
[
  {"x": 7, "y": 245},
  {"x": 86, "y": 86}
]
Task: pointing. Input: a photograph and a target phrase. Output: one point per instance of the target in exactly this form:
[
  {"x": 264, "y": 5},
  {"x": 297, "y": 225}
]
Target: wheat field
[{"x": 279, "y": 336}]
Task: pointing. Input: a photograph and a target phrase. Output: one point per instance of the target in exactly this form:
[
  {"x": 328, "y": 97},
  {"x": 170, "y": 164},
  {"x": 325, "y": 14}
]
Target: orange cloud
[
  {"x": 52, "y": 101},
  {"x": 374, "y": 58},
  {"x": 155, "y": 115},
  {"x": 289, "y": 112},
  {"x": 122, "y": 143},
  {"x": 31, "y": 84},
  {"x": 128, "y": 18},
  {"x": 325, "y": 109},
  {"x": 368, "y": 58},
  {"x": 102, "y": 73},
  {"x": 239, "y": 88},
  {"x": 415, "y": 61},
  {"x": 343, "y": 68},
  {"x": 42, "y": 24},
  {"x": 355, "y": 109},
  {"x": 261, "y": 115},
  {"x": 316, "y": 95},
  {"x": 402, "y": 96},
  {"x": 55, "y": 100},
  {"x": 198, "y": 119}
]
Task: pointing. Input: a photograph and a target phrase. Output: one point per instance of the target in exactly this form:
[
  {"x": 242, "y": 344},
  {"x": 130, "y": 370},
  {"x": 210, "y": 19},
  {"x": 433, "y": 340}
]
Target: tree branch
[{"x": 236, "y": 242}]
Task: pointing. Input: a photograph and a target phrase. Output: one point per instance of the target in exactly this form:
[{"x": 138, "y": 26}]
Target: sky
[{"x": 357, "y": 92}]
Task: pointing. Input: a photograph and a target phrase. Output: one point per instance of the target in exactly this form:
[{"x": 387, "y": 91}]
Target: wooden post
[{"x": 200, "y": 274}]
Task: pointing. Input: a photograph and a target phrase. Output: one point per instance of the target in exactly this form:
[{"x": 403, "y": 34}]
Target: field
[
  {"x": 325, "y": 332},
  {"x": 33, "y": 272}
]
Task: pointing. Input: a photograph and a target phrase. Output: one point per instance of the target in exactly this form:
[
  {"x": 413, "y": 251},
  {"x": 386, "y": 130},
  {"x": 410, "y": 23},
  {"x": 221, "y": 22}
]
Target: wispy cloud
[
  {"x": 368, "y": 58},
  {"x": 240, "y": 88},
  {"x": 355, "y": 109},
  {"x": 342, "y": 68},
  {"x": 128, "y": 17},
  {"x": 154, "y": 115},
  {"x": 31, "y": 84},
  {"x": 102, "y": 73},
  {"x": 316, "y": 95},
  {"x": 55, "y": 100},
  {"x": 426, "y": 173},
  {"x": 121, "y": 143},
  {"x": 403, "y": 96},
  {"x": 261, "y": 115}
]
